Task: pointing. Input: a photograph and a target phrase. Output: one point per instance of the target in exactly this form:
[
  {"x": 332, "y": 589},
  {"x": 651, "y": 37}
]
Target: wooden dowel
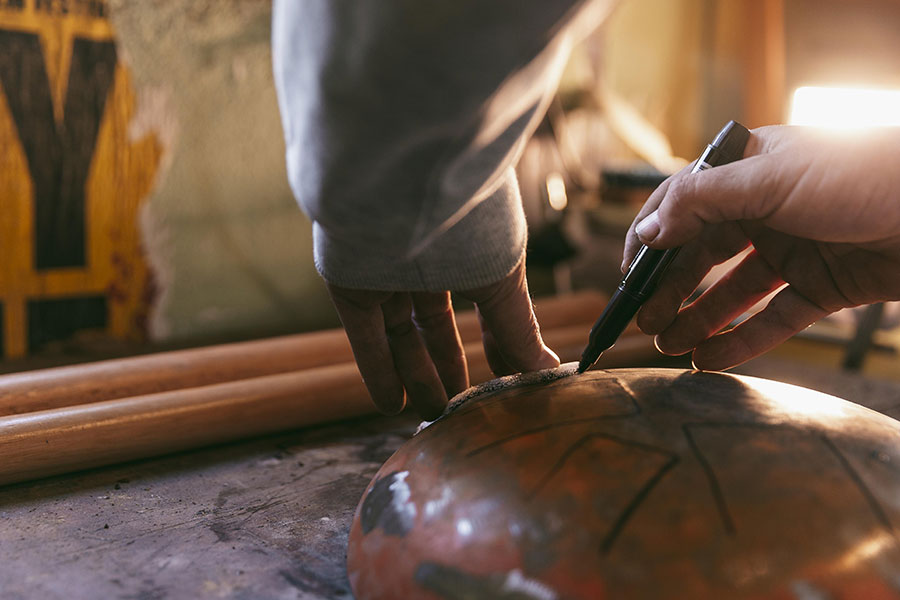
[
  {"x": 49, "y": 442},
  {"x": 120, "y": 378},
  {"x": 65, "y": 439}
]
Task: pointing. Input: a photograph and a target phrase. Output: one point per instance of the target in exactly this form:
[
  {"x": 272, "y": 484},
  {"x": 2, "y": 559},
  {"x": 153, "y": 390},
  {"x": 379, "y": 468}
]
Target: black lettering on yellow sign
[
  {"x": 87, "y": 8},
  {"x": 73, "y": 176},
  {"x": 12, "y": 4},
  {"x": 58, "y": 154}
]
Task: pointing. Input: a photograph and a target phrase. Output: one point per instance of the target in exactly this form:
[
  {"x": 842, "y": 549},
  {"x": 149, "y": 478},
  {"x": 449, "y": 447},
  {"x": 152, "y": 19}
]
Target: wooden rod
[
  {"x": 72, "y": 438},
  {"x": 49, "y": 442},
  {"x": 120, "y": 378}
]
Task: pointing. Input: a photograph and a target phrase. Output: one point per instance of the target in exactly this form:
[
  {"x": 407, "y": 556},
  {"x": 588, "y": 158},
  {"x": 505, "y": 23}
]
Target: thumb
[
  {"x": 742, "y": 190},
  {"x": 510, "y": 330}
]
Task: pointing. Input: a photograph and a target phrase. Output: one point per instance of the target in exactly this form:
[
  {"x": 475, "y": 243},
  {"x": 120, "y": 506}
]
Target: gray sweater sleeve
[{"x": 403, "y": 120}]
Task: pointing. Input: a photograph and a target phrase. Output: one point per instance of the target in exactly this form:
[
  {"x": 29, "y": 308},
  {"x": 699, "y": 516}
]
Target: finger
[
  {"x": 745, "y": 180},
  {"x": 694, "y": 261},
  {"x": 632, "y": 243},
  {"x": 786, "y": 314},
  {"x": 360, "y": 313},
  {"x": 418, "y": 374},
  {"x": 743, "y": 190},
  {"x": 509, "y": 327},
  {"x": 748, "y": 283},
  {"x": 492, "y": 353},
  {"x": 434, "y": 318}
]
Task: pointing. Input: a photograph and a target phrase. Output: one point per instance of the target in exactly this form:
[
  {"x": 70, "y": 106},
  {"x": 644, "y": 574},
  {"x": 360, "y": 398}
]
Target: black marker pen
[{"x": 649, "y": 264}]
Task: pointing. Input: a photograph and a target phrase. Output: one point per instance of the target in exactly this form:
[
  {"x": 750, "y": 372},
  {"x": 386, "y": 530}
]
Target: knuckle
[
  {"x": 435, "y": 316},
  {"x": 683, "y": 203},
  {"x": 521, "y": 346},
  {"x": 356, "y": 299},
  {"x": 780, "y": 321},
  {"x": 398, "y": 330},
  {"x": 681, "y": 280},
  {"x": 679, "y": 193},
  {"x": 753, "y": 287},
  {"x": 699, "y": 324}
]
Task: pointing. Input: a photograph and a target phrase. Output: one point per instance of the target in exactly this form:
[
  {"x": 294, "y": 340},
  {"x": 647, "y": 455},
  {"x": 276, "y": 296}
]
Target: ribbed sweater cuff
[{"x": 482, "y": 248}]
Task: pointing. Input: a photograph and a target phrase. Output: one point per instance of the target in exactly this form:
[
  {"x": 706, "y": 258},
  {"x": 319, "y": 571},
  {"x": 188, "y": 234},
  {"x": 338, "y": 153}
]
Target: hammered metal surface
[{"x": 639, "y": 483}]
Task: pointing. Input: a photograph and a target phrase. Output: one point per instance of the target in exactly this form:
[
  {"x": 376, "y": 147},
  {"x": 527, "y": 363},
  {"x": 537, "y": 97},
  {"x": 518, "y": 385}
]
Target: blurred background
[{"x": 146, "y": 204}]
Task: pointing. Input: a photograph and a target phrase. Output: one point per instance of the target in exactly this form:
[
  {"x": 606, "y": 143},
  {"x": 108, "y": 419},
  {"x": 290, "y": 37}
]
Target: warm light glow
[
  {"x": 556, "y": 191},
  {"x": 799, "y": 401},
  {"x": 845, "y": 108}
]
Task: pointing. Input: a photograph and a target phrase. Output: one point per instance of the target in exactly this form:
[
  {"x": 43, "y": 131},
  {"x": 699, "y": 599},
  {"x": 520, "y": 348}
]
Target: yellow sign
[{"x": 71, "y": 179}]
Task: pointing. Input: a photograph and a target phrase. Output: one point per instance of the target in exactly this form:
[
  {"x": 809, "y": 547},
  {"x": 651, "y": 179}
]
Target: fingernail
[
  {"x": 392, "y": 407},
  {"x": 660, "y": 344},
  {"x": 702, "y": 363},
  {"x": 694, "y": 364},
  {"x": 714, "y": 354},
  {"x": 656, "y": 345},
  {"x": 547, "y": 360},
  {"x": 645, "y": 323},
  {"x": 648, "y": 228}
]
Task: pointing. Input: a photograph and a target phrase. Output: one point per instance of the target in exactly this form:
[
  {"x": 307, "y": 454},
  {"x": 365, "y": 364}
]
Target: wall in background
[
  {"x": 691, "y": 65},
  {"x": 228, "y": 244},
  {"x": 834, "y": 42},
  {"x": 653, "y": 57},
  {"x": 141, "y": 153}
]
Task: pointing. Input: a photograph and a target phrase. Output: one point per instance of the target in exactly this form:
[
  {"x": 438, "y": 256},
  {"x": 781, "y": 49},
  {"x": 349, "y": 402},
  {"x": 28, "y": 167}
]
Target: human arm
[
  {"x": 822, "y": 214},
  {"x": 403, "y": 122}
]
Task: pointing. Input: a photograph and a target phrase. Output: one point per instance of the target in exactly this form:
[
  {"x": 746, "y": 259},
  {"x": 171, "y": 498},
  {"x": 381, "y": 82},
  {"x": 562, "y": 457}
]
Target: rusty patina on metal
[{"x": 636, "y": 483}]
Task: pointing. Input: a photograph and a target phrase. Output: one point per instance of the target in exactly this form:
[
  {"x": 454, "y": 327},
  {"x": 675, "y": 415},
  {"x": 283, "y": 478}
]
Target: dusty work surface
[{"x": 263, "y": 519}]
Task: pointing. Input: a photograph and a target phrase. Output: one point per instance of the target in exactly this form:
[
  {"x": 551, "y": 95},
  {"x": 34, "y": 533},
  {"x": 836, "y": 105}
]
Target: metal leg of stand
[{"x": 862, "y": 341}]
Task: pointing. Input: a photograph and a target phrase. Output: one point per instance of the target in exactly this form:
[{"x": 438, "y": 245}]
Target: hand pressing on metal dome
[{"x": 407, "y": 346}]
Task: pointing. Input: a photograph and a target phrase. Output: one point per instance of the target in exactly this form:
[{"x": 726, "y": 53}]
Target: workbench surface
[
  {"x": 262, "y": 519},
  {"x": 267, "y": 518}
]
